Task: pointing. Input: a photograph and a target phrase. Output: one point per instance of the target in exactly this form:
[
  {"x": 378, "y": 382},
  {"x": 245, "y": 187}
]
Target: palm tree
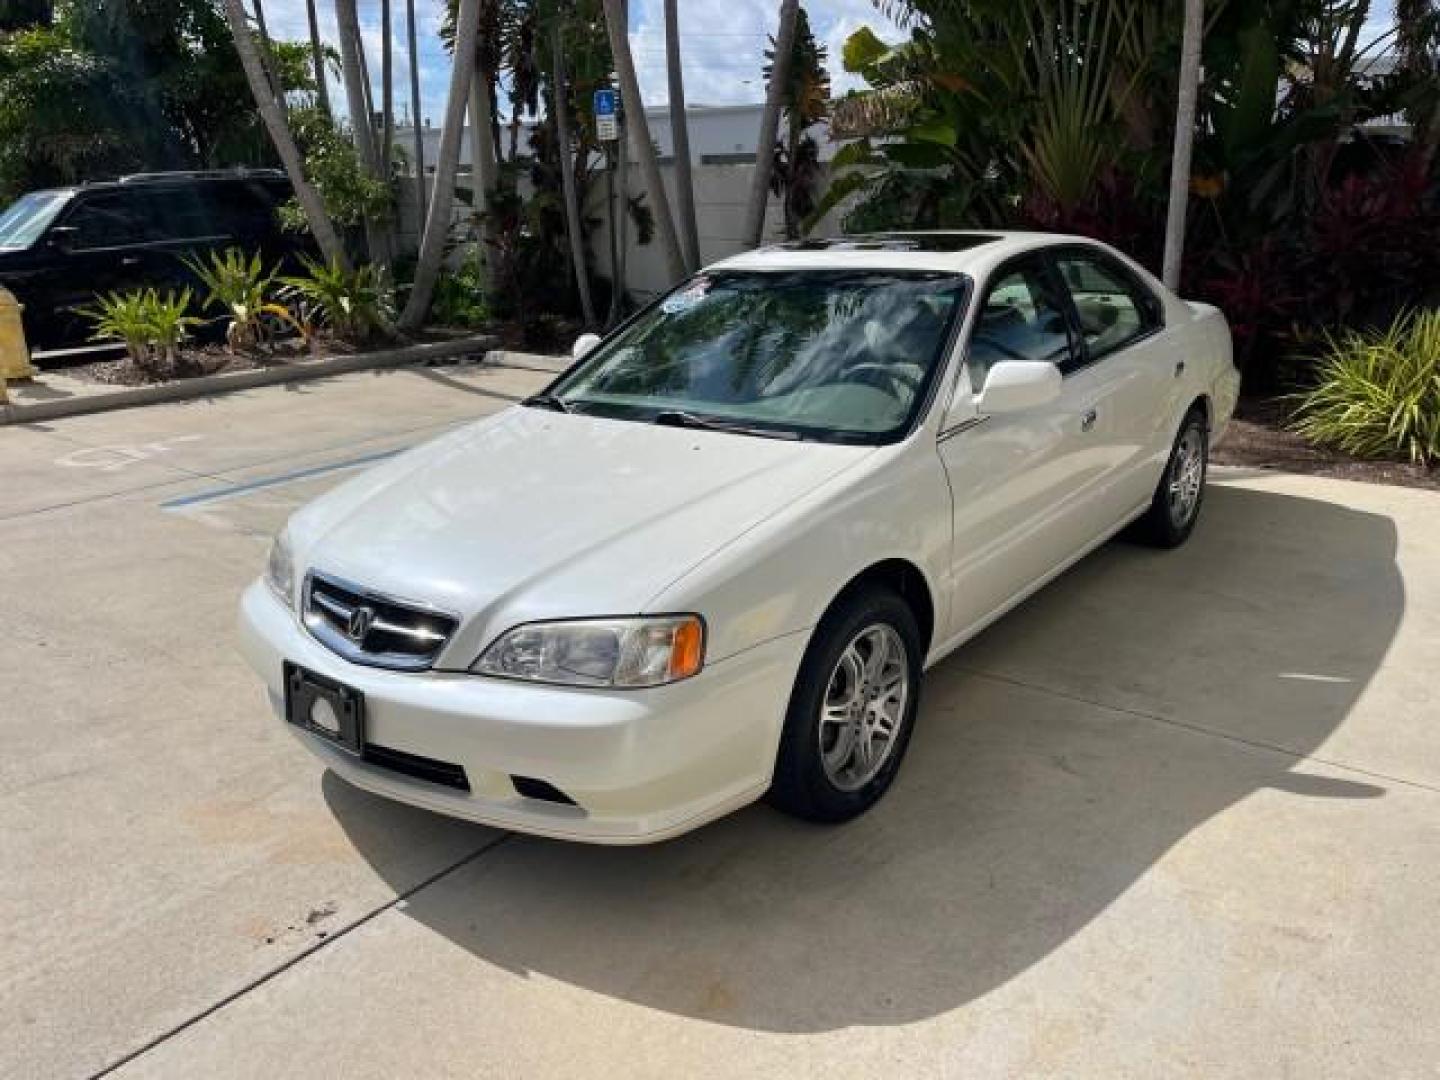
[
  {"x": 387, "y": 90},
  {"x": 317, "y": 59},
  {"x": 640, "y": 141},
  {"x": 1184, "y": 141},
  {"x": 316, "y": 216},
  {"x": 416, "y": 135},
  {"x": 680, "y": 138},
  {"x": 770, "y": 122},
  {"x": 437, "y": 219},
  {"x": 573, "y": 223},
  {"x": 362, "y": 117}
]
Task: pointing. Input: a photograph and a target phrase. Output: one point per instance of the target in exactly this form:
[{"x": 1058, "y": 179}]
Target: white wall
[{"x": 721, "y": 196}]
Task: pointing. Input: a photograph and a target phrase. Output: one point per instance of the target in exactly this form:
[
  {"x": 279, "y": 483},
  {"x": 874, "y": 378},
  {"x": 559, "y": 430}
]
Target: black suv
[{"x": 60, "y": 247}]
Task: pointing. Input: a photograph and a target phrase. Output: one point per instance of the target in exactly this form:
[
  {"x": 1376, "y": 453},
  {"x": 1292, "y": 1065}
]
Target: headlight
[
  {"x": 623, "y": 653},
  {"x": 280, "y": 569}
]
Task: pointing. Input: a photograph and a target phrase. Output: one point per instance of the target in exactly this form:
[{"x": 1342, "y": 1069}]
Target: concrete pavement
[{"x": 1178, "y": 815}]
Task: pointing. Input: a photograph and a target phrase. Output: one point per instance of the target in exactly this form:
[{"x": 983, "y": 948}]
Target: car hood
[{"x": 533, "y": 515}]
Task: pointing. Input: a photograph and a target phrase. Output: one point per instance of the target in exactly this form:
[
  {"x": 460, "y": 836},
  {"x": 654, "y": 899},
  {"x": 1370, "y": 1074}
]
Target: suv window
[
  {"x": 1114, "y": 309},
  {"x": 108, "y": 219},
  {"x": 1023, "y": 318},
  {"x": 179, "y": 213}
]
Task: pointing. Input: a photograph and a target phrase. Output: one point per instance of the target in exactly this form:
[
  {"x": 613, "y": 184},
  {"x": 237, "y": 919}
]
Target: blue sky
[{"x": 723, "y": 42}]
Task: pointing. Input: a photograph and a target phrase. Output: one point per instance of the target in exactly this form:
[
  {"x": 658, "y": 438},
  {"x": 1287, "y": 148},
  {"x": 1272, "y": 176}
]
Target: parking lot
[{"x": 1177, "y": 815}]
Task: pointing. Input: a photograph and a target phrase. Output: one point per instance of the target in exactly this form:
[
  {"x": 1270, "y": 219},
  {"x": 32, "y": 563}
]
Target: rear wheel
[
  {"x": 1176, "y": 505},
  {"x": 852, "y": 709}
]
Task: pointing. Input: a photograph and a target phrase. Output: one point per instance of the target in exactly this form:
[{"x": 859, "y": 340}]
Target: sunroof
[{"x": 916, "y": 241}]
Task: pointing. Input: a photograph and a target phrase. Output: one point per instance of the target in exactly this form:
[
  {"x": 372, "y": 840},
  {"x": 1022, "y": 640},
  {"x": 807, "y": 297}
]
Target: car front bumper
[{"x": 640, "y": 765}]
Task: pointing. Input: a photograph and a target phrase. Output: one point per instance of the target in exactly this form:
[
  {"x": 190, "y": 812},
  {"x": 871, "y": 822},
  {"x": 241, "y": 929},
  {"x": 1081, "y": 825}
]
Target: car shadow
[{"x": 1021, "y": 813}]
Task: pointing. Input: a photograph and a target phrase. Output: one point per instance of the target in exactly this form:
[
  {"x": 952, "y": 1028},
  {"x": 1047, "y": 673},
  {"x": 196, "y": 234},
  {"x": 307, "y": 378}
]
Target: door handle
[
  {"x": 1087, "y": 422},
  {"x": 130, "y": 260},
  {"x": 1179, "y": 368}
]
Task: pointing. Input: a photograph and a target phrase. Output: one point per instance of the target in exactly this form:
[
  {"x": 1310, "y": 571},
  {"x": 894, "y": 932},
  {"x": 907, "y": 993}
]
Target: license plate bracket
[{"x": 325, "y": 708}]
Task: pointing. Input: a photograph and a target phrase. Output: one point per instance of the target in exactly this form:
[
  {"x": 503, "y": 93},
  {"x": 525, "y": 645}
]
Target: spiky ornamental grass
[{"x": 1378, "y": 396}]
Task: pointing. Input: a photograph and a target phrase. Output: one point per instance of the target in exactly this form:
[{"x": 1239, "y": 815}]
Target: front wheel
[
  {"x": 852, "y": 709},
  {"x": 1176, "y": 505}
]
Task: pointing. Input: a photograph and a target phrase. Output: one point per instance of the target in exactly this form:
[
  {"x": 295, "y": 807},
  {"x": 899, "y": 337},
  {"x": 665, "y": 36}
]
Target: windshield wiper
[
  {"x": 682, "y": 419},
  {"x": 548, "y": 401}
]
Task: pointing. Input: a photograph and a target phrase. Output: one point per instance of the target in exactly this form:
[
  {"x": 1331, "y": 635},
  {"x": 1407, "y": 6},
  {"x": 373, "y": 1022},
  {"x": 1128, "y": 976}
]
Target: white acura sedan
[{"x": 712, "y": 561}]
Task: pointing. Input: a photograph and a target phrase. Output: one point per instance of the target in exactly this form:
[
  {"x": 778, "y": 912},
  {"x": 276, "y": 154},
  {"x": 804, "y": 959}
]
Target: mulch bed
[
  {"x": 1256, "y": 438},
  {"x": 196, "y": 362}
]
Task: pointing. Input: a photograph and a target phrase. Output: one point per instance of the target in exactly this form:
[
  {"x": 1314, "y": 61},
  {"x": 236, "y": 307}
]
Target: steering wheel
[
  {"x": 1005, "y": 350},
  {"x": 883, "y": 377}
]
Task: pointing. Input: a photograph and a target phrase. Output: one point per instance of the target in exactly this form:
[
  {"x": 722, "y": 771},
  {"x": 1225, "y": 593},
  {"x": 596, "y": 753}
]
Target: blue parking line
[{"x": 232, "y": 490}]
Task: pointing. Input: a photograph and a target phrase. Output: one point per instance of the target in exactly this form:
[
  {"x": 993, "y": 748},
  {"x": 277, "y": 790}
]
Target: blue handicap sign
[{"x": 605, "y": 102}]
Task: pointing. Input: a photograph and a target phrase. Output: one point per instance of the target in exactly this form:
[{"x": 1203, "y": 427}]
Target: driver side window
[{"x": 1023, "y": 318}]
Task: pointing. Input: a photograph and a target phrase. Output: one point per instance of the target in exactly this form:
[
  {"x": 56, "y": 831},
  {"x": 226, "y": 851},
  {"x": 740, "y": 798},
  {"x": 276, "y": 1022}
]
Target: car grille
[{"x": 370, "y": 628}]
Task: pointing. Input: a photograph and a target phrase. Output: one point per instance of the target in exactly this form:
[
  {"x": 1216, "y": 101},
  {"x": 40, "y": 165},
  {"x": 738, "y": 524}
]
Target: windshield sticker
[{"x": 684, "y": 301}]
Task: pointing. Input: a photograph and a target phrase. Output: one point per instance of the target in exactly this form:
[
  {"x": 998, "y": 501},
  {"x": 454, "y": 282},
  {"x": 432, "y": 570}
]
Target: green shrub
[
  {"x": 241, "y": 288},
  {"x": 123, "y": 317},
  {"x": 354, "y": 304},
  {"x": 459, "y": 298},
  {"x": 1378, "y": 395},
  {"x": 151, "y": 327}
]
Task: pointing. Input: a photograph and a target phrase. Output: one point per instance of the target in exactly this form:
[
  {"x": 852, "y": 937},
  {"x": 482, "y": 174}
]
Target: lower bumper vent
[
  {"x": 540, "y": 789},
  {"x": 444, "y": 773}
]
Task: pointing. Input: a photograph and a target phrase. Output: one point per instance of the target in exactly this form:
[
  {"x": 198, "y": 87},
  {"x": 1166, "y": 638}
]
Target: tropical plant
[
  {"x": 437, "y": 219},
  {"x": 806, "y": 95},
  {"x": 150, "y": 326},
  {"x": 170, "y": 324},
  {"x": 1378, "y": 395},
  {"x": 356, "y": 304},
  {"x": 460, "y": 297},
  {"x": 777, "y": 80},
  {"x": 241, "y": 288},
  {"x": 122, "y": 317},
  {"x": 350, "y": 195},
  {"x": 272, "y": 112}
]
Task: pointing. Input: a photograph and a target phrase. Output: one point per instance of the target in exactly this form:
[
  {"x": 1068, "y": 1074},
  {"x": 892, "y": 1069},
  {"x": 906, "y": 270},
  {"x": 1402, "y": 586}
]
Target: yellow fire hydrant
[{"x": 14, "y": 353}]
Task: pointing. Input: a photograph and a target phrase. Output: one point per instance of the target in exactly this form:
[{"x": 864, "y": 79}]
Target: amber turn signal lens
[{"x": 687, "y": 649}]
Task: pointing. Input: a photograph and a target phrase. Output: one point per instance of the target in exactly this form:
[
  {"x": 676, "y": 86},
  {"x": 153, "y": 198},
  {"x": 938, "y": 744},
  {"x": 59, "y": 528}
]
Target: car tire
[
  {"x": 1176, "y": 505},
  {"x": 847, "y": 695}
]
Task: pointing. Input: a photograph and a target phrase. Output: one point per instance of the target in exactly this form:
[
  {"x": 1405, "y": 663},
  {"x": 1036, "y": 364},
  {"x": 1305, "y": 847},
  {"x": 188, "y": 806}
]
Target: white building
[{"x": 719, "y": 135}]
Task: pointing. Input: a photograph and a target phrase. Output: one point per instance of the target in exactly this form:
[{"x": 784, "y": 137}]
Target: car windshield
[
  {"x": 29, "y": 216},
  {"x": 840, "y": 354}
]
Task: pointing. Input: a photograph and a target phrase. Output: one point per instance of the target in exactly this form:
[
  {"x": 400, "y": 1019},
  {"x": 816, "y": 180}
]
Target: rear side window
[
  {"x": 1113, "y": 307},
  {"x": 179, "y": 213},
  {"x": 1023, "y": 318},
  {"x": 109, "y": 219}
]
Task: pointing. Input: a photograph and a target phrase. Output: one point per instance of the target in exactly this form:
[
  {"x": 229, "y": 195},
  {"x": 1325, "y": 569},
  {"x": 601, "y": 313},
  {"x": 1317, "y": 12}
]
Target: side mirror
[
  {"x": 583, "y": 344},
  {"x": 62, "y": 237},
  {"x": 1015, "y": 385}
]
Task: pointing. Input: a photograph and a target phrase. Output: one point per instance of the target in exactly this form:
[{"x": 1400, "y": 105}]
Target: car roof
[{"x": 957, "y": 251}]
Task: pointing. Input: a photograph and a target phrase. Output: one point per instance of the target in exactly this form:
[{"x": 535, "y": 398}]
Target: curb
[{"x": 210, "y": 385}]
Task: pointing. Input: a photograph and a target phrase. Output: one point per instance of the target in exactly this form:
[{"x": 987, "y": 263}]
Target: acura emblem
[{"x": 361, "y": 619}]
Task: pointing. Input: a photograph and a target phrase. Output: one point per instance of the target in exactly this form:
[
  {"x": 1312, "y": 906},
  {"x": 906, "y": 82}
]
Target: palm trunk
[
  {"x": 1184, "y": 141},
  {"x": 387, "y": 90},
  {"x": 347, "y": 24},
  {"x": 770, "y": 123},
  {"x": 362, "y": 119},
  {"x": 309, "y": 199},
  {"x": 317, "y": 60},
  {"x": 573, "y": 223},
  {"x": 622, "y": 229},
  {"x": 418, "y": 137},
  {"x": 267, "y": 55},
  {"x": 485, "y": 170},
  {"x": 437, "y": 221},
  {"x": 680, "y": 139},
  {"x": 640, "y": 141}
]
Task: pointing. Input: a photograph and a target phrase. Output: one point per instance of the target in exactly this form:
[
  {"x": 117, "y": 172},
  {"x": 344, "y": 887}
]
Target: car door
[
  {"x": 1127, "y": 376},
  {"x": 1015, "y": 478},
  {"x": 100, "y": 248}
]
